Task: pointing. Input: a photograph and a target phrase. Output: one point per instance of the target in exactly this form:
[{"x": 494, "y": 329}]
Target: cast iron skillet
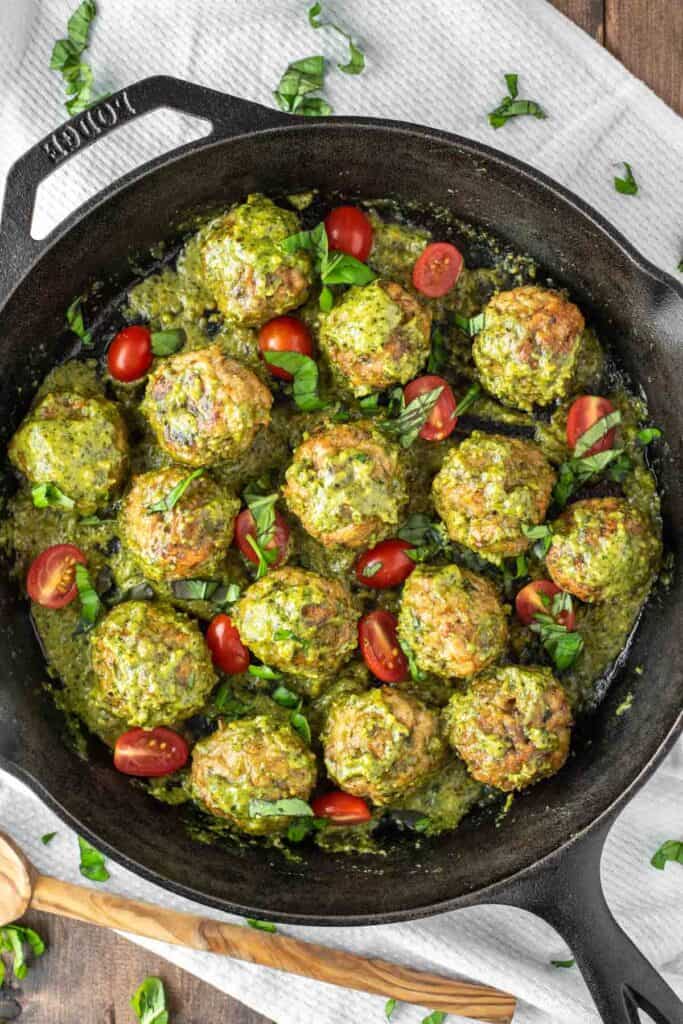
[{"x": 546, "y": 857}]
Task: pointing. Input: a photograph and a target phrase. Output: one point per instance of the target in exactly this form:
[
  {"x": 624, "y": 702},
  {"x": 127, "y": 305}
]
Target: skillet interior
[{"x": 634, "y": 311}]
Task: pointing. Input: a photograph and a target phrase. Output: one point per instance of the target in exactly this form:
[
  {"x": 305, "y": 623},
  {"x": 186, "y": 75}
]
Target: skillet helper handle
[
  {"x": 378, "y": 977},
  {"x": 568, "y": 895},
  {"x": 227, "y": 115}
]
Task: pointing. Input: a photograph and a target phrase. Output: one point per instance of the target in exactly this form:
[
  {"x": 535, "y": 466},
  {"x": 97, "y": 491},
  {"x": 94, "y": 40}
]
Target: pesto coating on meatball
[
  {"x": 512, "y": 727},
  {"x": 204, "y": 407},
  {"x": 187, "y": 540},
  {"x": 77, "y": 442},
  {"x": 347, "y": 485},
  {"x": 602, "y": 549},
  {"x": 527, "y": 351},
  {"x": 488, "y": 489},
  {"x": 256, "y": 758},
  {"x": 151, "y": 664},
  {"x": 376, "y": 336},
  {"x": 451, "y": 620},
  {"x": 249, "y": 274},
  {"x": 381, "y": 743},
  {"x": 298, "y": 622}
]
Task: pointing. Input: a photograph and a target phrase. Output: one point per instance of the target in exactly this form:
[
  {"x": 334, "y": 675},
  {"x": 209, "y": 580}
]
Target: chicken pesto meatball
[
  {"x": 151, "y": 665},
  {"x": 79, "y": 443},
  {"x": 376, "y": 336},
  {"x": 251, "y": 759},
  {"x": 512, "y": 727},
  {"x": 381, "y": 743},
  {"x": 488, "y": 488},
  {"x": 250, "y": 276},
  {"x": 187, "y": 540},
  {"x": 347, "y": 485},
  {"x": 298, "y": 622},
  {"x": 204, "y": 407},
  {"x": 451, "y": 620},
  {"x": 602, "y": 549},
  {"x": 529, "y": 346}
]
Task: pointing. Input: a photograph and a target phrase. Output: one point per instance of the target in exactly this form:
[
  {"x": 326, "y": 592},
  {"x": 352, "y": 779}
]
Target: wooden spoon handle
[{"x": 379, "y": 977}]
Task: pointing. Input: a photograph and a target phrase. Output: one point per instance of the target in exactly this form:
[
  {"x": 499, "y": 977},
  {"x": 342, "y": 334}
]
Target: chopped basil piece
[
  {"x": 228, "y": 704},
  {"x": 300, "y": 79},
  {"x": 263, "y": 672},
  {"x": 334, "y": 268},
  {"x": 510, "y": 106},
  {"x": 88, "y": 597},
  {"x": 13, "y": 938},
  {"x": 416, "y": 674},
  {"x": 165, "y": 343},
  {"x": 470, "y": 324},
  {"x": 219, "y": 594},
  {"x": 626, "y": 705},
  {"x": 66, "y": 58},
  {"x": 265, "y": 558},
  {"x": 471, "y": 396},
  {"x": 170, "y": 501},
  {"x": 262, "y": 926},
  {"x": 47, "y": 838},
  {"x": 576, "y": 472},
  {"x": 437, "y": 1017},
  {"x": 562, "y": 645},
  {"x": 262, "y": 508},
  {"x": 371, "y": 569},
  {"x": 50, "y": 496},
  {"x": 149, "y": 1002},
  {"x": 280, "y": 808},
  {"x": 369, "y": 403},
  {"x": 304, "y": 370},
  {"x": 647, "y": 435},
  {"x": 300, "y": 725},
  {"x": 438, "y": 354},
  {"x": 356, "y": 61},
  {"x": 286, "y": 698},
  {"x": 412, "y": 417},
  {"x": 595, "y": 433},
  {"x": 92, "y": 863},
  {"x": 543, "y": 537},
  {"x": 74, "y": 321},
  {"x": 562, "y": 963},
  {"x": 389, "y": 1008},
  {"x": 627, "y": 185},
  {"x": 670, "y": 851},
  {"x": 421, "y": 531},
  {"x": 302, "y": 827}
]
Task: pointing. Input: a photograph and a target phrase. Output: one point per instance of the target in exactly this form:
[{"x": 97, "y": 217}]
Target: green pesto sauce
[{"x": 177, "y": 297}]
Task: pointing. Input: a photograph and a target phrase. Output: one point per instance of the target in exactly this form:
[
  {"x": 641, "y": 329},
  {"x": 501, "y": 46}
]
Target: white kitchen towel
[{"x": 440, "y": 64}]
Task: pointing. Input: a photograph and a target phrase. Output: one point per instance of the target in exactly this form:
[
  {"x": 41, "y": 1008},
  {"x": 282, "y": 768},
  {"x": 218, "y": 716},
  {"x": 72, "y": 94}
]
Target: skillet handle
[
  {"x": 227, "y": 115},
  {"x": 568, "y": 895}
]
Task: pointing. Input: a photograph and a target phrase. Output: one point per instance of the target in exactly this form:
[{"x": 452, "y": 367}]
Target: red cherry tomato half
[
  {"x": 437, "y": 269},
  {"x": 130, "y": 354},
  {"x": 380, "y": 648},
  {"x": 285, "y": 334},
  {"x": 442, "y": 419},
  {"x": 245, "y": 527},
  {"x": 228, "y": 653},
  {"x": 584, "y": 412},
  {"x": 350, "y": 231},
  {"x": 385, "y": 565},
  {"x": 341, "y": 808},
  {"x": 529, "y": 602},
  {"x": 150, "y": 752},
  {"x": 51, "y": 579}
]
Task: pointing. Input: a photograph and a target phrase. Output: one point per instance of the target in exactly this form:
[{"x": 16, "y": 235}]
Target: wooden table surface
[{"x": 89, "y": 975}]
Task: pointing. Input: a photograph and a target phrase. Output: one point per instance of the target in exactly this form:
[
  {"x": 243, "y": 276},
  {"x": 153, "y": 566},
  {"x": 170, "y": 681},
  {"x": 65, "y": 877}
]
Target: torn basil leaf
[
  {"x": 542, "y": 536},
  {"x": 92, "y": 863},
  {"x": 356, "y": 61},
  {"x": 88, "y": 597},
  {"x": 285, "y": 697},
  {"x": 647, "y": 435},
  {"x": 74, "y": 321},
  {"x": 47, "y": 838},
  {"x": 50, "y": 496},
  {"x": 169, "y": 502},
  {"x": 291, "y": 806},
  {"x": 562, "y": 645},
  {"x": 264, "y": 672},
  {"x": 66, "y": 58},
  {"x": 669, "y": 852},
  {"x": 371, "y": 569},
  {"x": 412, "y": 417},
  {"x": 304, "y": 371},
  {"x": 334, "y": 268},
  {"x": 165, "y": 343},
  {"x": 574, "y": 473},
  {"x": 562, "y": 963},
  {"x": 627, "y": 185},
  {"x": 470, "y": 324},
  {"x": 149, "y": 1002},
  {"x": 596, "y": 432},
  {"x": 389, "y": 1008},
  {"x": 262, "y": 926},
  {"x": 219, "y": 594},
  {"x": 468, "y": 400},
  {"x": 13, "y": 938},
  {"x": 300, "y": 79},
  {"x": 511, "y": 106},
  {"x": 300, "y": 725}
]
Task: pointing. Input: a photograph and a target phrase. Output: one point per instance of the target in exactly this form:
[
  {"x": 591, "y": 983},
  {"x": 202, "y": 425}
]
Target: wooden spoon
[{"x": 21, "y": 887}]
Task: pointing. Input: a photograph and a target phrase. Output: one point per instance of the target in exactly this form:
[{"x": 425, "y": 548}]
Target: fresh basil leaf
[
  {"x": 169, "y": 502},
  {"x": 670, "y": 851},
  {"x": 416, "y": 674},
  {"x": 262, "y": 926},
  {"x": 50, "y": 496},
  {"x": 220, "y": 594},
  {"x": 436, "y": 1017},
  {"x": 438, "y": 354},
  {"x": 412, "y": 417},
  {"x": 342, "y": 269},
  {"x": 300, "y": 725},
  {"x": 262, "y": 508},
  {"x": 47, "y": 838},
  {"x": 286, "y": 698},
  {"x": 542, "y": 536},
  {"x": 470, "y": 324},
  {"x": 299, "y": 80},
  {"x": 314, "y": 16},
  {"x": 149, "y": 1002},
  {"x": 291, "y": 806},
  {"x": 596, "y": 432},
  {"x": 574, "y": 473},
  {"x": 88, "y": 596},
  {"x": 369, "y": 403},
  {"x": 326, "y": 299},
  {"x": 647, "y": 435},
  {"x": 302, "y": 827},
  {"x": 389, "y": 1008},
  {"x": 165, "y": 343},
  {"x": 314, "y": 241},
  {"x": 263, "y": 672},
  {"x": 356, "y": 62},
  {"x": 627, "y": 185},
  {"x": 562, "y": 963},
  {"x": 265, "y": 557},
  {"x": 13, "y": 938},
  {"x": 511, "y": 82},
  {"x": 562, "y": 645},
  {"x": 511, "y": 107},
  {"x": 334, "y": 268},
  {"x": 470, "y": 397},
  {"x": 66, "y": 58},
  {"x": 92, "y": 863},
  {"x": 74, "y": 321},
  {"x": 371, "y": 569},
  {"x": 304, "y": 371}
]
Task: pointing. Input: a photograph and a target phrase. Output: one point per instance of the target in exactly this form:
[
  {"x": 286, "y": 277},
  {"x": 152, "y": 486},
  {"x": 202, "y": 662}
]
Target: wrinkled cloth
[{"x": 440, "y": 64}]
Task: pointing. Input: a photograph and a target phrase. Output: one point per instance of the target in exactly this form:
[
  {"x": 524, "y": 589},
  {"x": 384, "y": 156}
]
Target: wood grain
[
  {"x": 647, "y": 36},
  {"x": 589, "y": 14}
]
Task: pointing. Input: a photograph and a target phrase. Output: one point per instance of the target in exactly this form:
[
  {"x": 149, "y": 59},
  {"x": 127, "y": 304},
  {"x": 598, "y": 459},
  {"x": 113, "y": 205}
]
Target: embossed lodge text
[{"x": 88, "y": 126}]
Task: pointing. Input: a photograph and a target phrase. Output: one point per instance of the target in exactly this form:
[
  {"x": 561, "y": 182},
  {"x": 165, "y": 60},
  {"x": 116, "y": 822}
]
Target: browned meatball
[
  {"x": 347, "y": 485},
  {"x": 186, "y": 540},
  {"x": 512, "y": 727},
  {"x": 204, "y": 407}
]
